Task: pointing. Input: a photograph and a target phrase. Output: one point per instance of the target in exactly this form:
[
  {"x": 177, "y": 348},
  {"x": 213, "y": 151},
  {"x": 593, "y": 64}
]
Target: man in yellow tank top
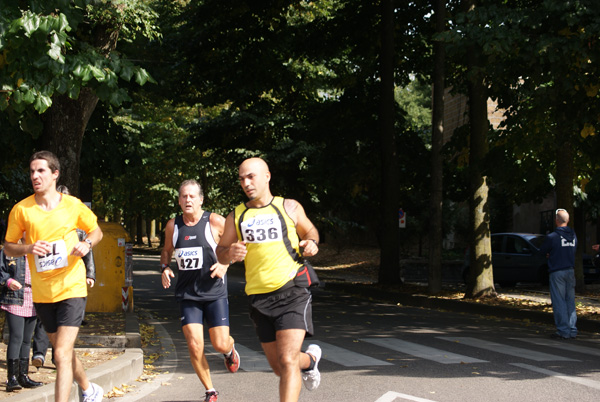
[
  {"x": 267, "y": 233},
  {"x": 48, "y": 221}
]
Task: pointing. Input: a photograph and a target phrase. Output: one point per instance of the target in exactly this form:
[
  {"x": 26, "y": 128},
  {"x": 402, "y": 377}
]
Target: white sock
[{"x": 90, "y": 389}]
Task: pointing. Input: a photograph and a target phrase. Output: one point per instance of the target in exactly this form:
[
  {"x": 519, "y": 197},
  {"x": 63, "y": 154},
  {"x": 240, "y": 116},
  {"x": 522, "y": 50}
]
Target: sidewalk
[
  {"x": 123, "y": 369},
  {"x": 470, "y": 307}
]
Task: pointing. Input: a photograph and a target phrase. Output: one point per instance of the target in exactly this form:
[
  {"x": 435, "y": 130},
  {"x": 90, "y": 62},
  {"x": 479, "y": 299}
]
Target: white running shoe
[
  {"x": 312, "y": 378},
  {"x": 95, "y": 395}
]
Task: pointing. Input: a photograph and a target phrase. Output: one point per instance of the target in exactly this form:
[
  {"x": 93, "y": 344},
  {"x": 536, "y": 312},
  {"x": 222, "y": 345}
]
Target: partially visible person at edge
[
  {"x": 48, "y": 220},
  {"x": 267, "y": 233},
  {"x": 201, "y": 288},
  {"x": 560, "y": 247},
  {"x": 17, "y": 302},
  {"x": 40, "y": 338}
]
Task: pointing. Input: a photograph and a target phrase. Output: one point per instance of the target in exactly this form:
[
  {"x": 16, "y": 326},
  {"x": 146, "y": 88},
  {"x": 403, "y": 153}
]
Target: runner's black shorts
[
  {"x": 286, "y": 308},
  {"x": 215, "y": 312},
  {"x": 64, "y": 313}
]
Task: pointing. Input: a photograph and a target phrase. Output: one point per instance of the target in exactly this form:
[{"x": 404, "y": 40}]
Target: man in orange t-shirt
[{"x": 48, "y": 221}]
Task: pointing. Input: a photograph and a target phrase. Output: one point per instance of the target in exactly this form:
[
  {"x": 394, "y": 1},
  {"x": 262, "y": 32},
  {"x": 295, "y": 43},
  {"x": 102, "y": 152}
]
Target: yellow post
[{"x": 110, "y": 258}]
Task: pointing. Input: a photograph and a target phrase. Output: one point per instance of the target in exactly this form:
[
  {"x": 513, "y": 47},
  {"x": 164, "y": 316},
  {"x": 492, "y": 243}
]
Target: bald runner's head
[{"x": 254, "y": 178}]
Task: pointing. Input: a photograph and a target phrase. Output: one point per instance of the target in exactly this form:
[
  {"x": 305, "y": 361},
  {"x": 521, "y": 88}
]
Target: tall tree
[
  {"x": 543, "y": 60},
  {"x": 437, "y": 136},
  {"x": 389, "y": 270},
  {"x": 58, "y": 59},
  {"x": 481, "y": 283}
]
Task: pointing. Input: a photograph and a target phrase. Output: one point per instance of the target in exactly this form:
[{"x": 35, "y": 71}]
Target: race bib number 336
[
  {"x": 57, "y": 258},
  {"x": 262, "y": 229}
]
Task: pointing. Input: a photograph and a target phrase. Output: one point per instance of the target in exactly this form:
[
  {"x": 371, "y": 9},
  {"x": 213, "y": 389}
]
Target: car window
[
  {"x": 516, "y": 245},
  {"x": 537, "y": 241},
  {"x": 497, "y": 244}
]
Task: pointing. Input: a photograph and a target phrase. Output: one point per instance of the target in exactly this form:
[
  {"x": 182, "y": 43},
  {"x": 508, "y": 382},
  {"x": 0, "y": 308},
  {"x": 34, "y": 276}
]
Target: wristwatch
[
  {"x": 163, "y": 267},
  {"x": 89, "y": 242}
]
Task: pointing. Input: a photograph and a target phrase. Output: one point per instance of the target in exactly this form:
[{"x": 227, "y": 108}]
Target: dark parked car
[{"x": 516, "y": 257}]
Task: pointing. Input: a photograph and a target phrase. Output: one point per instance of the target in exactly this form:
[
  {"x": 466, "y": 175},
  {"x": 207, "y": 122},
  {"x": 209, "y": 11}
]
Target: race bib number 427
[
  {"x": 262, "y": 229},
  {"x": 189, "y": 258},
  {"x": 57, "y": 258}
]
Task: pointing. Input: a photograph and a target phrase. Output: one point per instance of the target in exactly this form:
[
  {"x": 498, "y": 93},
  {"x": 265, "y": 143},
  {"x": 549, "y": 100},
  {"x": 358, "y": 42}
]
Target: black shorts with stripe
[{"x": 286, "y": 308}]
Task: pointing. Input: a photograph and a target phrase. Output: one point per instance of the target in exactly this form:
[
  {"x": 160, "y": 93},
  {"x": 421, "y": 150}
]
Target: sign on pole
[{"x": 401, "y": 218}]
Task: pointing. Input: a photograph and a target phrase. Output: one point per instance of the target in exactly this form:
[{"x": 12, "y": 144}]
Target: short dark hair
[
  {"x": 49, "y": 157},
  {"x": 191, "y": 182}
]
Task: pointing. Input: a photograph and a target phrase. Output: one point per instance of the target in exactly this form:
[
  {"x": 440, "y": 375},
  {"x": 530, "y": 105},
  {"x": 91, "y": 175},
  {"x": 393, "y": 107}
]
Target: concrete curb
[
  {"x": 459, "y": 306},
  {"x": 123, "y": 369}
]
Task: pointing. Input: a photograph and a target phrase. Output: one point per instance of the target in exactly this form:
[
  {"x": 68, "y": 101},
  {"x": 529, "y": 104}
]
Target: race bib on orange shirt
[{"x": 57, "y": 258}]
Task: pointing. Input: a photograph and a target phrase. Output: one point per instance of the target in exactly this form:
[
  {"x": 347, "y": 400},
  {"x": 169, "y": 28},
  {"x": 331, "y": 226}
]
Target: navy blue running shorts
[
  {"x": 286, "y": 308},
  {"x": 215, "y": 312},
  {"x": 65, "y": 313}
]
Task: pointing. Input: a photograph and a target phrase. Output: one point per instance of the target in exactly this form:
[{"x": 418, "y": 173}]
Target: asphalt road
[{"x": 377, "y": 352}]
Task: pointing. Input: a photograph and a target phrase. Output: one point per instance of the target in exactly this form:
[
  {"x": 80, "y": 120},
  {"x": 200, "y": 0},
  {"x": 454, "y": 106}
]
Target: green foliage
[
  {"x": 415, "y": 100},
  {"x": 46, "y": 49},
  {"x": 540, "y": 60},
  {"x": 296, "y": 83}
]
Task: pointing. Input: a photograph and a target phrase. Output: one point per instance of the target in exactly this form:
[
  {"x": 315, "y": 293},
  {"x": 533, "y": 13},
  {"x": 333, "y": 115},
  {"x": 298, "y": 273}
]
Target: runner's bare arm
[
  {"x": 308, "y": 233},
  {"x": 230, "y": 249},
  {"x": 40, "y": 247},
  {"x": 166, "y": 254},
  {"x": 217, "y": 226},
  {"x": 82, "y": 248},
  {"x": 95, "y": 236}
]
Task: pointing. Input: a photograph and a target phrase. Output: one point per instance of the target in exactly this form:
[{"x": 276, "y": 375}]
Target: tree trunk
[
  {"x": 149, "y": 231},
  {"x": 565, "y": 174},
  {"x": 580, "y": 231},
  {"x": 139, "y": 231},
  {"x": 437, "y": 137},
  {"x": 481, "y": 280},
  {"x": 65, "y": 121},
  {"x": 64, "y": 125},
  {"x": 389, "y": 269},
  {"x": 162, "y": 234}
]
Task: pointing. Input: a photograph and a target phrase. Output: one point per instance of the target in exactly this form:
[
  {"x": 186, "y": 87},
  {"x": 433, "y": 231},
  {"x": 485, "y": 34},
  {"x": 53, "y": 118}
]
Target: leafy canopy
[{"x": 54, "y": 47}]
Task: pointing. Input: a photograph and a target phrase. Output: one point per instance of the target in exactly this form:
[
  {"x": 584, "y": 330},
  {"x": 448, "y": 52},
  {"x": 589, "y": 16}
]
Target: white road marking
[
  {"x": 565, "y": 345},
  {"x": 577, "y": 380},
  {"x": 507, "y": 349},
  {"x": 345, "y": 357},
  {"x": 392, "y": 396},
  {"x": 424, "y": 352}
]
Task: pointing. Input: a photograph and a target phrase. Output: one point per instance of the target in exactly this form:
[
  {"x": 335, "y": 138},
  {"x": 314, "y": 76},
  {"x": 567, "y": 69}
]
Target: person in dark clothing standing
[{"x": 560, "y": 247}]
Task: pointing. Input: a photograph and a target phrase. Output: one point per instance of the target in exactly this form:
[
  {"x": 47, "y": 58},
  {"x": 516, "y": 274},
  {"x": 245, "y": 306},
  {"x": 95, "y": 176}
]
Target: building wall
[
  {"x": 527, "y": 217},
  {"x": 456, "y": 113}
]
